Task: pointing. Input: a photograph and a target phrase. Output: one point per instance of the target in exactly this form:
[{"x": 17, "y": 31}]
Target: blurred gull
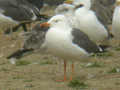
[
  {"x": 63, "y": 41},
  {"x": 87, "y": 20},
  {"x": 116, "y": 21}
]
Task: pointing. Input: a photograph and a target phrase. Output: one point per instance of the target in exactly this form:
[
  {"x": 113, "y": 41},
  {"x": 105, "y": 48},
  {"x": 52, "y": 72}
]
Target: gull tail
[
  {"x": 20, "y": 53},
  {"x": 104, "y": 48}
]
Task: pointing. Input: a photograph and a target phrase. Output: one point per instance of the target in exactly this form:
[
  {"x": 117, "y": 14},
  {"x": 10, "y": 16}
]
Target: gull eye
[
  {"x": 66, "y": 9},
  {"x": 79, "y": 6},
  {"x": 56, "y": 21}
]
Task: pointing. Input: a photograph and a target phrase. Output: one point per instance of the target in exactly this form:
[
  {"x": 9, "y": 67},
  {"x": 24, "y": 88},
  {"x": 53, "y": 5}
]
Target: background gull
[
  {"x": 116, "y": 21},
  {"x": 85, "y": 19},
  {"x": 19, "y": 12},
  {"x": 102, "y": 8},
  {"x": 33, "y": 41}
]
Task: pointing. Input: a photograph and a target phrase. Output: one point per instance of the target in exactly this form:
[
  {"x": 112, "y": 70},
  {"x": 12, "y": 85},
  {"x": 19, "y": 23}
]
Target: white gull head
[
  {"x": 64, "y": 9},
  {"x": 58, "y": 21},
  {"x": 86, "y": 3}
]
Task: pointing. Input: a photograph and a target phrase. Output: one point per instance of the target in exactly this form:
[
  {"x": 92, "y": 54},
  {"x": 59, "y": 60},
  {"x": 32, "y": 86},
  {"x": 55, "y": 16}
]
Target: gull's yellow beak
[
  {"x": 68, "y": 1},
  {"x": 118, "y": 2},
  {"x": 46, "y": 24}
]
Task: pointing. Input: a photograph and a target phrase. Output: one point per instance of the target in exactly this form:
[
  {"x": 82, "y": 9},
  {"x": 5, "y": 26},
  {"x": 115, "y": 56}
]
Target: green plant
[
  {"x": 29, "y": 80},
  {"x": 117, "y": 49},
  {"x": 105, "y": 54},
  {"x": 77, "y": 84},
  {"x": 46, "y": 63},
  {"x": 92, "y": 65},
  {"x": 21, "y": 63},
  {"x": 114, "y": 70}
]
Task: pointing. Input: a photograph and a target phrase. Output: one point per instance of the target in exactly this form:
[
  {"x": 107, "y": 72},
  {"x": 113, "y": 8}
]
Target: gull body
[
  {"x": 65, "y": 42},
  {"x": 68, "y": 43},
  {"x": 90, "y": 25},
  {"x": 116, "y": 21}
]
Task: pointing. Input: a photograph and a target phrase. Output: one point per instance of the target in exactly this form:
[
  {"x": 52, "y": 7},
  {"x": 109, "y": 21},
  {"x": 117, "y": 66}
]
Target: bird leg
[
  {"x": 24, "y": 27},
  {"x": 65, "y": 78},
  {"x": 71, "y": 77},
  {"x": 65, "y": 64}
]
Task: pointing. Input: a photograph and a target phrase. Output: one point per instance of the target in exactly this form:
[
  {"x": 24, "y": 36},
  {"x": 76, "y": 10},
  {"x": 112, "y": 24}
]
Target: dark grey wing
[
  {"x": 107, "y": 2},
  {"x": 83, "y": 41},
  {"x": 37, "y": 3},
  {"x": 33, "y": 42},
  {"x": 104, "y": 10},
  {"x": 16, "y": 11},
  {"x": 35, "y": 38}
]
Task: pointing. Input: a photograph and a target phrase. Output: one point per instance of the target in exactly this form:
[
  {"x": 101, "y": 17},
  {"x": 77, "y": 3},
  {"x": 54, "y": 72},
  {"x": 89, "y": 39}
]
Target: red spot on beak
[{"x": 44, "y": 24}]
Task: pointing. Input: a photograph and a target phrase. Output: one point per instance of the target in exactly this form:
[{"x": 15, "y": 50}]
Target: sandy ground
[{"x": 38, "y": 72}]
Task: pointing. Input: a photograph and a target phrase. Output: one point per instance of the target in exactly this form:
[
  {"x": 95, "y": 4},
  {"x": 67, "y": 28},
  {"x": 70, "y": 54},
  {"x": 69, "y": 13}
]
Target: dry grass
[{"x": 37, "y": 72}]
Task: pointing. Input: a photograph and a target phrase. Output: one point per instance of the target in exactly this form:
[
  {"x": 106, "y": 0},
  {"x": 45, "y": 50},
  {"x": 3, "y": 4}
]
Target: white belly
[
  {"x": 89, "y": 25},
  {"x": 116, "y": 23},
  {"x": 59, "y": 43}
]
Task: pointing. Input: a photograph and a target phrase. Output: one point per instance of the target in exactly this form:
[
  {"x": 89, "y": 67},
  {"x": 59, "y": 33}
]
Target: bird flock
[{"x": 77, "y": 30}]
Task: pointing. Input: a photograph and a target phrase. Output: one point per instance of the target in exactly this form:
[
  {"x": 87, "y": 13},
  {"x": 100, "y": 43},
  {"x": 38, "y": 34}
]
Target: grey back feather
[
  {"x": 35, "y": 38},
  {"x": 83, "y": 41},
  {"x": 104, "y": 10}
]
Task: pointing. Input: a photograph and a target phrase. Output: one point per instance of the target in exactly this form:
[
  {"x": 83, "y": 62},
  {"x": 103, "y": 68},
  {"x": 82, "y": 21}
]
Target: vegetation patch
[
  {"x": 47, "y": 62},
  {"x": 4, "y": 69},
  {"x": 105, "y": 54},
  {"x": 22, "y": 63},
  {"x": 30, "y": 80},
  {"x": 117, "y": 49},
  {"x": 114, "y": 70},
  {"x": 29, "y": 86},
  {"x": 94, "y": 65},
  {"x": 77, "y": 84}
]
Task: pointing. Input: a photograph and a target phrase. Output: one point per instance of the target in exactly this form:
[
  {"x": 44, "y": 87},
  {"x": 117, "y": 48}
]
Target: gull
[
  {"x": 65, "y": 42},
  {"x": 103, "y": 8},
  {"x": 33, "y": 43},
  {"x": 81, "y": 16},
  {"x": 116, "y": 22},
  {"x": 19, "y": 13},
  {"x": 68, "y": 43}
]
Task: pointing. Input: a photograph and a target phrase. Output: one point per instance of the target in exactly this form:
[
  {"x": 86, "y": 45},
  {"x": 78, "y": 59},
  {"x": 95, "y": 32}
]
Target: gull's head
[
  {"x": 118, "y": 2},
  {"x": 64, "y": 9},
  {"x": 57, "y": 20},
  {"x": 86, "y": 3}
]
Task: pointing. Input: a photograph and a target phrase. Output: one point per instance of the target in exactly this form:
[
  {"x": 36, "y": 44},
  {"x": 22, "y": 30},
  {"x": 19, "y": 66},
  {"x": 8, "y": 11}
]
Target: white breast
[
  {"x": 89, "y": 24},
  {"x": 116, "y": 23},
  {"x": 59, "y": 43}
]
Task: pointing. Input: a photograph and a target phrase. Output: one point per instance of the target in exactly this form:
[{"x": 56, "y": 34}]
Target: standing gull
[
  {"x": 86, "y": 20},
  {"x": 102, "y": 8},
  {"x": 82, "y": 17},
  {"x": 68, "y": 43},
  {"x": 116, "y": 21},
  {"x": 33, "y": 42},
  {"x": 19, "y": 12}
]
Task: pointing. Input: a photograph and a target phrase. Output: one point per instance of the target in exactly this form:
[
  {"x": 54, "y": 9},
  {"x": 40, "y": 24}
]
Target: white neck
[
  {"x": 81, "y": 11},
  {"x": 62, "y": 26},
  {"x": 87, "y": 3}
]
